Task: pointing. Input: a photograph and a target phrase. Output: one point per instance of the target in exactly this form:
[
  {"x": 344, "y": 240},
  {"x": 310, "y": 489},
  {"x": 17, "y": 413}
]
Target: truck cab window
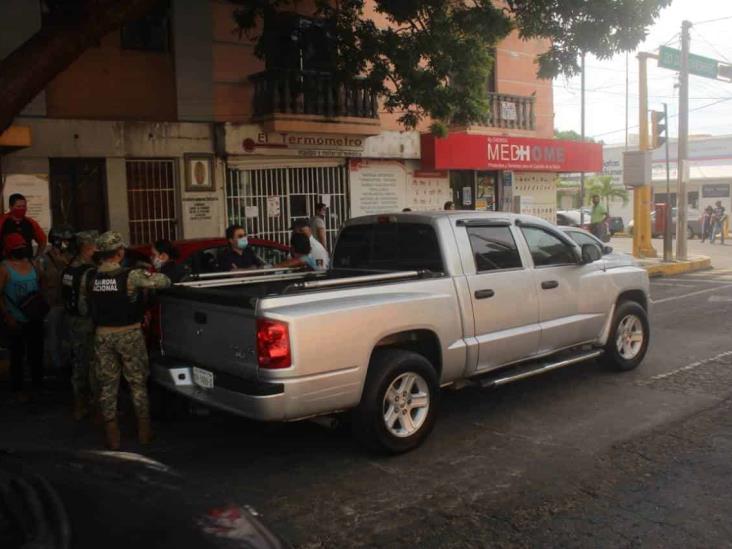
[
  {"x": 493, "y": 248},
  {"x": 388, "y": 247},
  {"x": 546, "y": 248}
]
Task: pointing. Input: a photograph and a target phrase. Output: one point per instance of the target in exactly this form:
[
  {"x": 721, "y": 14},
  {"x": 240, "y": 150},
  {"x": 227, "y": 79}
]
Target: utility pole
[
  {"x": 683, "y": 143},
  {"x": 667, "y": 244},
  {"x": 582, "y": 129},
  {"x": 642, "y": 246},
  {"x": 627, "y": 97}
]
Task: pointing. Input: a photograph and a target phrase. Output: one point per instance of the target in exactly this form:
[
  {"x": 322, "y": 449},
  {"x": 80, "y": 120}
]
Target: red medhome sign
[{"x": 461, "y": 151}]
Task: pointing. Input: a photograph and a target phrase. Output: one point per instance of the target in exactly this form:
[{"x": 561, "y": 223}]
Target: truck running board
[{"x": 517, "y": 373}]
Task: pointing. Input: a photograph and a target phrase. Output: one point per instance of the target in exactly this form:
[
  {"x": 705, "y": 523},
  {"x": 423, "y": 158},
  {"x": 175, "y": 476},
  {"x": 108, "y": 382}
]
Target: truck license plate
[{"x": 203, "y": 378}]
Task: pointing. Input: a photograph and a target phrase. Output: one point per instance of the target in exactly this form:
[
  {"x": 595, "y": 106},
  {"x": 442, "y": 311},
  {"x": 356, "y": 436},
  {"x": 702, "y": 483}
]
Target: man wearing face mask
[
  {"x": 52, "y": 264},
  {"x": 117, "y": 309},
  {"x": 16, "y": 221},
  {"x": 238, "y": 255}
]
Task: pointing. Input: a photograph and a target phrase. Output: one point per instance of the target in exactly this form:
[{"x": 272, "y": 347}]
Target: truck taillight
[{"x": 273, "y": 344}]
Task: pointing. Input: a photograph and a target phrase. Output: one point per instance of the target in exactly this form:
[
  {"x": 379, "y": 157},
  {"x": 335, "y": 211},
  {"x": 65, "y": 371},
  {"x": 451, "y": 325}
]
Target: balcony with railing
[
  {"x": 289, "y": 100},
  {"x": 512, "y": 111}
]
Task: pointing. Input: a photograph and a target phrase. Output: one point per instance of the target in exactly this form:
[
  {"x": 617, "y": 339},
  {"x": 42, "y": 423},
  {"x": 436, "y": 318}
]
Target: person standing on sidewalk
[
  {"x": 117, "y": 307},
  {"x": 317, "y": 224},
  {"x": 19, "y": 279},
  {"x": 598, "y": 219},
  {"x": 52, "y": 263},
  {"x": 74, "y": 285},
  {"x": 16, "y": 221},
  {"x": 719, "y": 216}
]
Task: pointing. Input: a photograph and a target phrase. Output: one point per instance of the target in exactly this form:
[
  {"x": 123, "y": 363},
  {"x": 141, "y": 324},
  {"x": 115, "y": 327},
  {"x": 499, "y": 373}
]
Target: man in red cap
[{"x": 16, "y": 221}]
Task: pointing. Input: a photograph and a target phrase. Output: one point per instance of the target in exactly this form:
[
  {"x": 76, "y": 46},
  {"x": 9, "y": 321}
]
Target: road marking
[
  {"x": 688, "y": 367},
  {"x": 719, "y": 299},
  {"x": 690, "y": 294},
  {"x": 675, "y": 284}
]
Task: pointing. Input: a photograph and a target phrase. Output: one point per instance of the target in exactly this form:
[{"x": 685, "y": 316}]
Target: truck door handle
[
  {"x": 549, "y": 284},
  {"x": 484, "y": 294}
]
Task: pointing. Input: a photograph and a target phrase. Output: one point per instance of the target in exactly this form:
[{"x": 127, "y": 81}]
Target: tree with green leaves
[
  {"x": 603, "y": 187},
  {"x": 434, "y": 58}
]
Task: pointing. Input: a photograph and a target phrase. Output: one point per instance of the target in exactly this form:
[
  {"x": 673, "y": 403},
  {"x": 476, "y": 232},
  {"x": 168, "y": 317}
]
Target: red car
[{"x": 201, "y": 255}]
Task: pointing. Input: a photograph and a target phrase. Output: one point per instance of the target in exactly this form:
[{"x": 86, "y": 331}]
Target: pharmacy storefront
[
  {"x": 274, "y": 178},
  {"x": 503, "y": 173}
]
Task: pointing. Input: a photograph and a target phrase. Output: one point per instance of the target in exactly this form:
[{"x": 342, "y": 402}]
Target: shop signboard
[
  {"x": 461, "y": 151},
  {"x": 715, "y": 190},
  {"x": 249, "y": 139}
]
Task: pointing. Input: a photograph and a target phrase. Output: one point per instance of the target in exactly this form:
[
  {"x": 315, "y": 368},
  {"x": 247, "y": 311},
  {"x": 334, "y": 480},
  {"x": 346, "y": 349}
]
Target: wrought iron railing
[{"x": 313, "y": 93}]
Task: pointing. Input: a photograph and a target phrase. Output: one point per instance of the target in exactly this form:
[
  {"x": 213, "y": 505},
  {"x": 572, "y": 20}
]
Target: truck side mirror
[{"x": 590, "y": 253}]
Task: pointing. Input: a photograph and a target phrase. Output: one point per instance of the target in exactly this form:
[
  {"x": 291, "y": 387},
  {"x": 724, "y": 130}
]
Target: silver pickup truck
[{"x": 413, "y": 302}]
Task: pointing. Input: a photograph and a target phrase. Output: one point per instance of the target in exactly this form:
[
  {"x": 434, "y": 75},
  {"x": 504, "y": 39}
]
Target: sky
[{"x": 605, "y": 79}]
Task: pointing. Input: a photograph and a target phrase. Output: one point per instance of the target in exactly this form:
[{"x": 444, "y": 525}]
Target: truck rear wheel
[
  {"x": 628, "y": 341},
  {"x": 399, "y": 402}
]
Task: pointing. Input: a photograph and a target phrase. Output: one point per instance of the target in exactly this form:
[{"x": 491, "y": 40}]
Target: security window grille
[
  {"x": 149, "y": 33},
  {"x": 151, "y": 200},
  {"x": 267, "y": 201}
]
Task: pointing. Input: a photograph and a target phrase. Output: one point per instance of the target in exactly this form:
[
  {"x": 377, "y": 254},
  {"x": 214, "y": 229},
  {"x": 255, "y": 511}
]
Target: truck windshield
[{"x": 388, "y": 246}]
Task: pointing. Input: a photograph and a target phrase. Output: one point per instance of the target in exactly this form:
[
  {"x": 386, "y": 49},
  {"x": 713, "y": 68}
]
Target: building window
[
  {"x": 152, "y": 200},
  {"x": 149, "y": 33},
  {"x": 294, "y": 42}
]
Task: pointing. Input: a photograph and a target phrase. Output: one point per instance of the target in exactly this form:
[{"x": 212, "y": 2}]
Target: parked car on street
[
  {"x": 572, "y": 218},
  {"x": 610, "y": 258},
  {"x": 693, "y": 224},
  {"x": 413, "y": 302}
]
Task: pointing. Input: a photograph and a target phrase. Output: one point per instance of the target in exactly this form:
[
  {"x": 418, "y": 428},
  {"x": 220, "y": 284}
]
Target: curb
[{"x": 677, "y": 268}]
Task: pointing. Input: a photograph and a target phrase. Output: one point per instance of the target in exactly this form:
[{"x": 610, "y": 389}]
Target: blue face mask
[{"x": 242, "y": 243}]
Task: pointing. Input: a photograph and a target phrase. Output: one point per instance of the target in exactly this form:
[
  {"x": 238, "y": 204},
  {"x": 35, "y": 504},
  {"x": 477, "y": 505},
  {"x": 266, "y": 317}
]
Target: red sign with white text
[{"x": 460, "y": 151}]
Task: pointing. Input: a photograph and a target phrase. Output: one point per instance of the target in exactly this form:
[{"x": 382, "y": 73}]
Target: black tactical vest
[
  {"x": 111, "y": 304},
  {"x": 71, "y": 286}
]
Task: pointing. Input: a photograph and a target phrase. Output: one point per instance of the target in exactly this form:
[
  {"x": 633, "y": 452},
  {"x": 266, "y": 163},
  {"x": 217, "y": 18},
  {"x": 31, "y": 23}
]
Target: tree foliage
[
  {"x": 434, "y": 57},
  {"x": 603, "y": 187}
]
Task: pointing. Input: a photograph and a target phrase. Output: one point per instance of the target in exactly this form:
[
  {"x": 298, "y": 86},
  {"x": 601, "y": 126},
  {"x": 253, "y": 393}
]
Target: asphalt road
[{"x": 582, "y": 457}]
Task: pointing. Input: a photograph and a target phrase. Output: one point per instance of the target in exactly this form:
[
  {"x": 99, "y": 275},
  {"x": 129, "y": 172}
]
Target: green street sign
[{"x": 670, "y": 58}]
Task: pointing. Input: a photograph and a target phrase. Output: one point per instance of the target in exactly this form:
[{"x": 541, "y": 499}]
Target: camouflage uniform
[
  {"x": 81, "y": 332},
  {"x": 121, "y": 349}
]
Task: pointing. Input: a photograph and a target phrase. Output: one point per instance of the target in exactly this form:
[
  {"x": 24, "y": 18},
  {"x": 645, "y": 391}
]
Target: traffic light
[{"x": 659, "y": 129}]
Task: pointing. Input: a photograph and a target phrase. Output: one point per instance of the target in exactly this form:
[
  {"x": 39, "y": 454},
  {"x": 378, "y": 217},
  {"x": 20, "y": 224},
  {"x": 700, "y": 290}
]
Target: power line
[
  {"x": 713, "y": 20},
  {"x": 708, "y": 43},
  {"x": 669, "y": 116}
]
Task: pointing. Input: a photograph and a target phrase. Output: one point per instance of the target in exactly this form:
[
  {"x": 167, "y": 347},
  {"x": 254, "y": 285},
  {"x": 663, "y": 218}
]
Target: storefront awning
[
  {"x": 461, "y": 151},
  {"x": 14, "y": 138}
]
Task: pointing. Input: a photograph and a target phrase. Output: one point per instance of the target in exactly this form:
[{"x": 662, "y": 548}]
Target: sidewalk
[{"x": 702, "y": 256}]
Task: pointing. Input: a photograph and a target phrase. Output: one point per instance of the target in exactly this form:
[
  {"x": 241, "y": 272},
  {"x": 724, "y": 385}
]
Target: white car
[{"x": 610, "y": 258}]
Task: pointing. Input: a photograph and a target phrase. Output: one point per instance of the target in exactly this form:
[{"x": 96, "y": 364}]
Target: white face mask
[{"x": 157, "y": 263}]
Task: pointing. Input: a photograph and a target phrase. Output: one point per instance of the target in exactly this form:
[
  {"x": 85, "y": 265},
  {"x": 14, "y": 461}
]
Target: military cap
[
  {"x": 110, "y": 241},
  {"x": 87, "y": 237}
]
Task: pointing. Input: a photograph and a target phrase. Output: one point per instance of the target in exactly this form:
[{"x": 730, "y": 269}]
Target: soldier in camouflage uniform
[
  {"x": 117, "y": 306},
  {"x": 74, "y": 283}
]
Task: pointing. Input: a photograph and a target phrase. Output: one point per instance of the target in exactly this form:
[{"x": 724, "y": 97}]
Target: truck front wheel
[
  {"x": 399, "y": 402},
  {"x": 628, "y": 341}
]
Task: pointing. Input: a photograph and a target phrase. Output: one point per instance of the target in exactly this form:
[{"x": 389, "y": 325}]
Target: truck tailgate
[{"x": 210, "y": 335}]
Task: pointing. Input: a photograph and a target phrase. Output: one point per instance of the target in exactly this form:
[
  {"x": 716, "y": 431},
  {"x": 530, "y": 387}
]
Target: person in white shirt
[{"x": 317, "y": 250}]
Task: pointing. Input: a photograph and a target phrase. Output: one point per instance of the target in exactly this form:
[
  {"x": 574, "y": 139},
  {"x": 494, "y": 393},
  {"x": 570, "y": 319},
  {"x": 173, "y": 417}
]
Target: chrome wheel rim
[
  {"x": 630, "y": 337},
  {"x": 406, "y": 405}
]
